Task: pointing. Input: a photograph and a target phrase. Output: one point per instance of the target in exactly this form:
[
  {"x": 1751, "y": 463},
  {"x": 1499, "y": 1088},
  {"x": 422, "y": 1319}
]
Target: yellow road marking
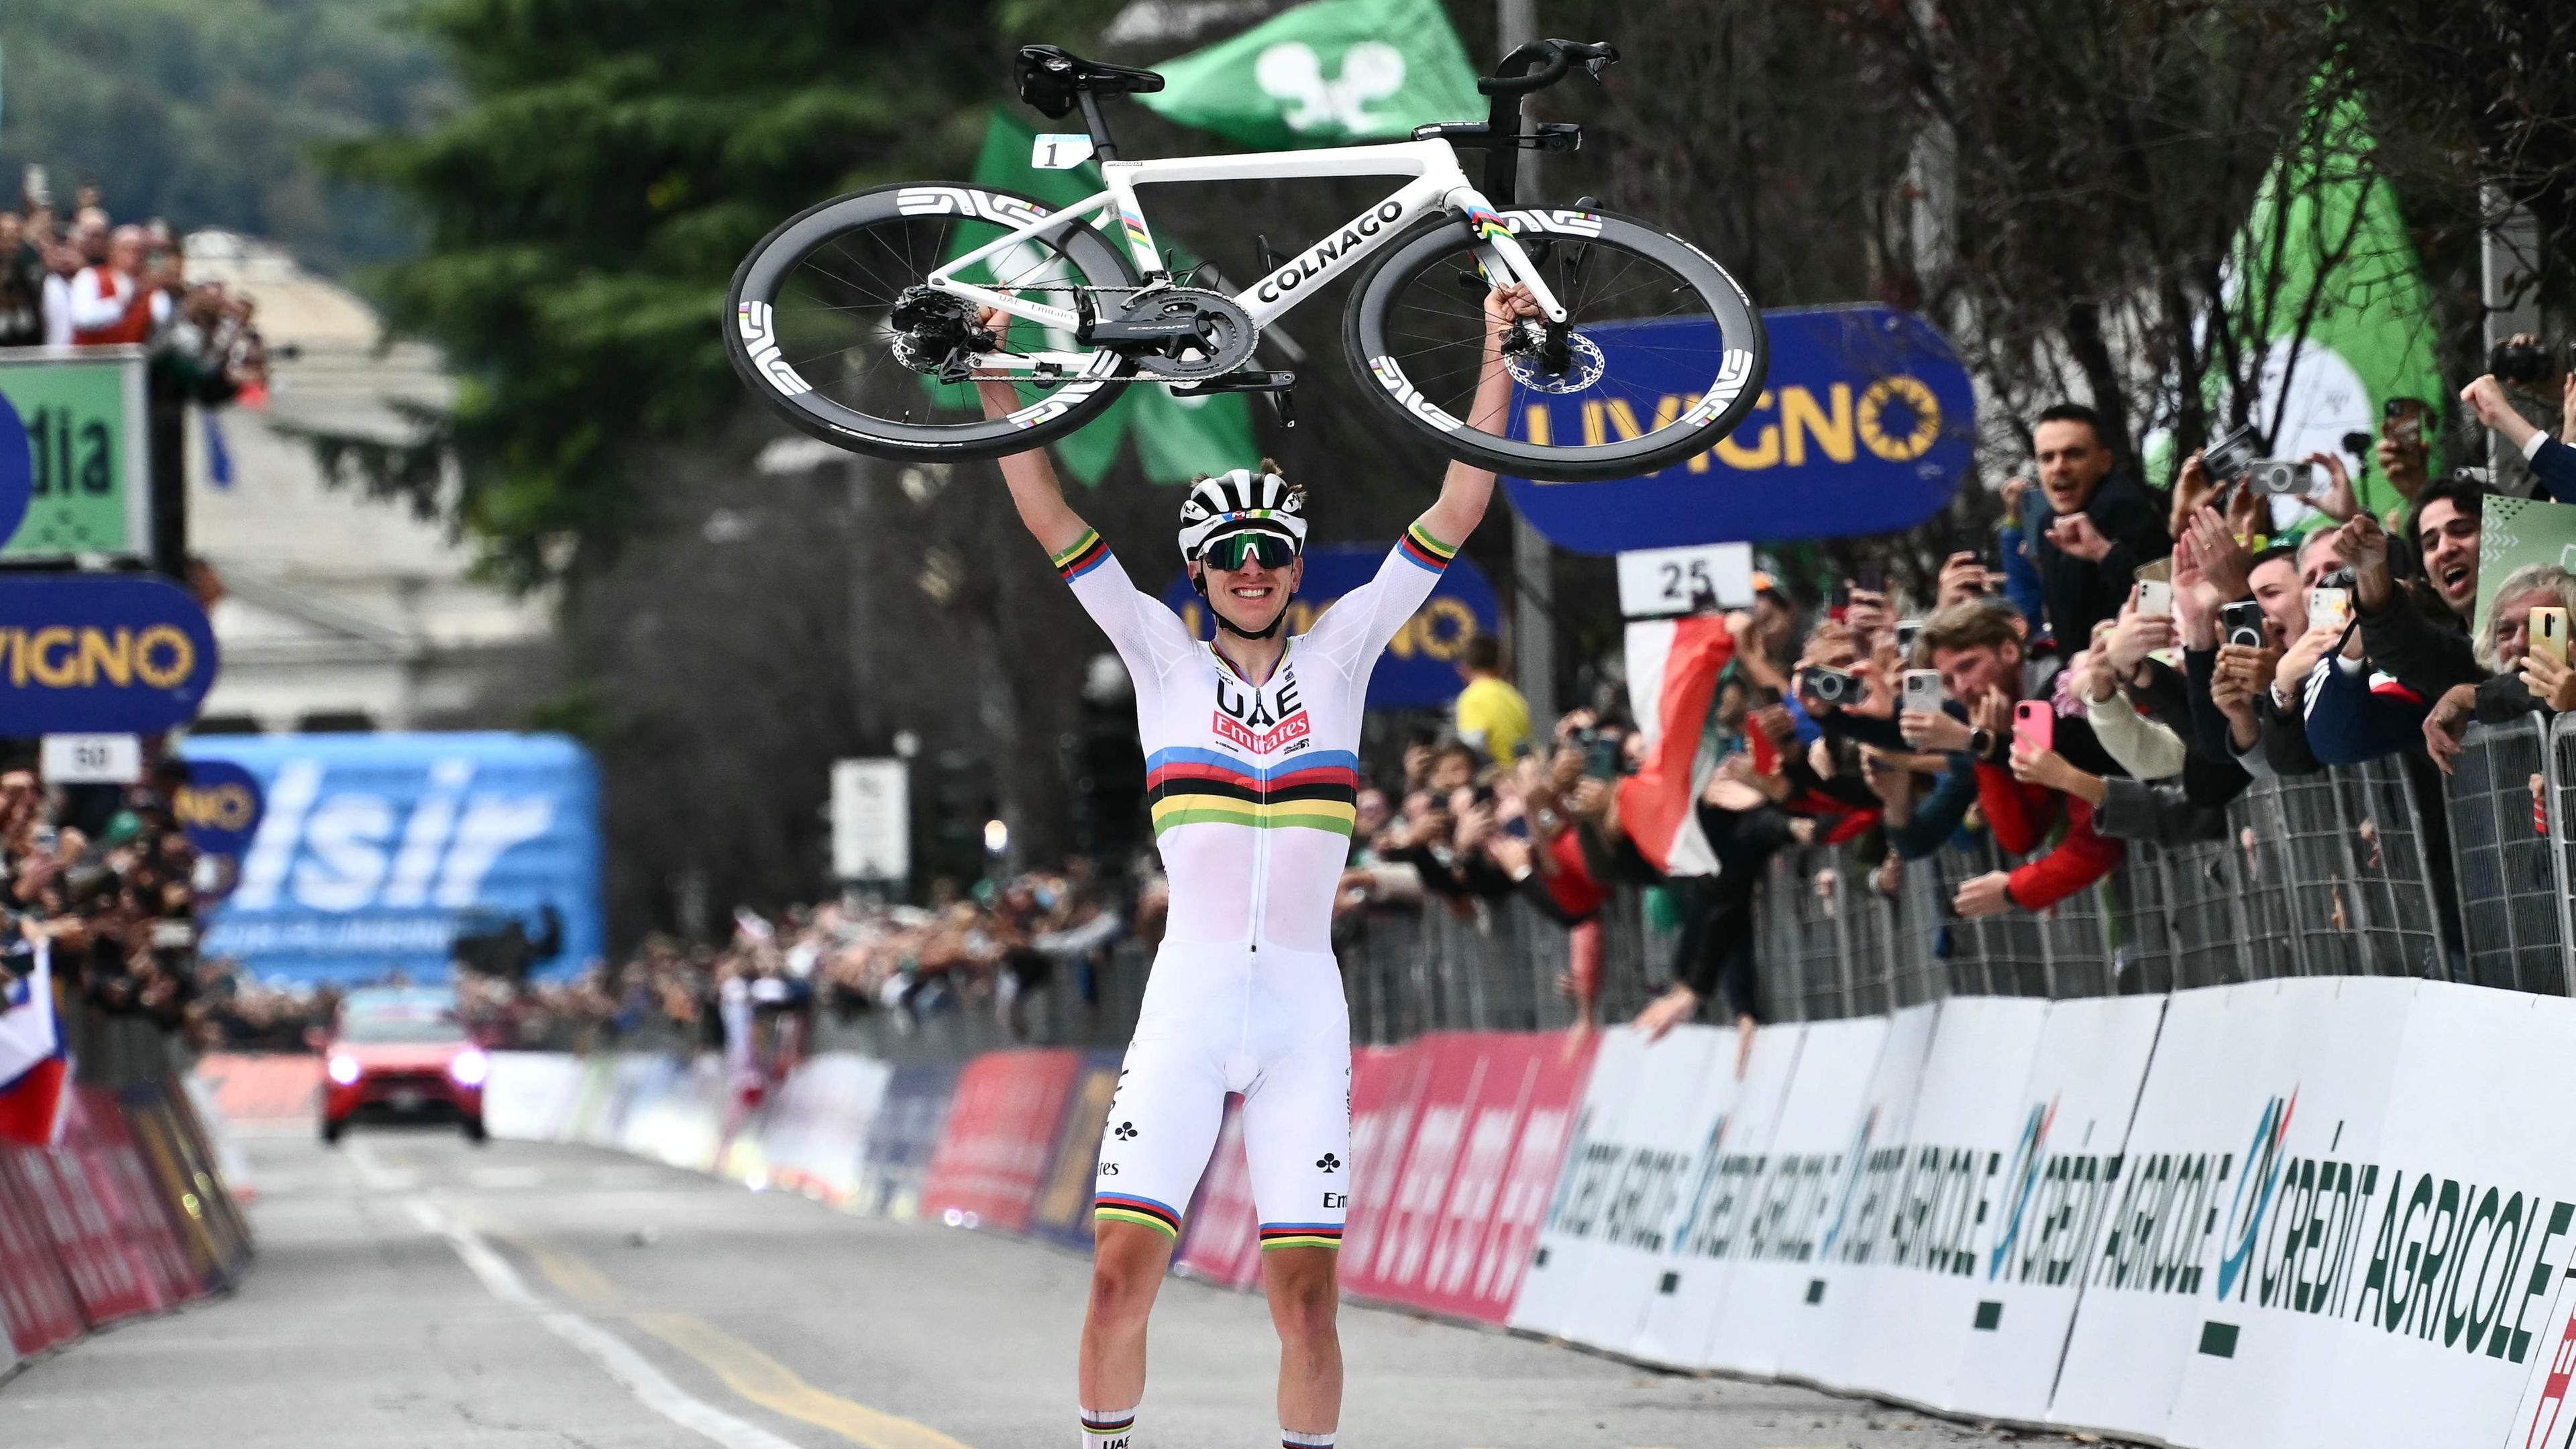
[
  {"x": 776, "y": 1387},
  {"x": 744, "y": 1369},
  {"x": 574, "y": 1278}
]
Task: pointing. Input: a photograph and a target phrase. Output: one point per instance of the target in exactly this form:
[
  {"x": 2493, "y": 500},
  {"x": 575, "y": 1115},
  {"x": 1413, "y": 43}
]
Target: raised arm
[
  {"x": 1034, "y": 489},
  {"x": 1466, "y": 488}
]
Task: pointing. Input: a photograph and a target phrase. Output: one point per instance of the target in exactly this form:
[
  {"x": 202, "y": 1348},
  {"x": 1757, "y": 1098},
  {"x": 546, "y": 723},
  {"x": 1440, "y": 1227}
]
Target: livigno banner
[{"x": 104, "y": 653}]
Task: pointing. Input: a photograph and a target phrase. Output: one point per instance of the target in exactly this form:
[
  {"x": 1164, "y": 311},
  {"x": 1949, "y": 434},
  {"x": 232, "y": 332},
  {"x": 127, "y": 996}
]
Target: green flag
[
  {"x": 1177, "y": 438},
  {"x": 2327, "y": 290},
  {"x": 1323, "y": 73}
]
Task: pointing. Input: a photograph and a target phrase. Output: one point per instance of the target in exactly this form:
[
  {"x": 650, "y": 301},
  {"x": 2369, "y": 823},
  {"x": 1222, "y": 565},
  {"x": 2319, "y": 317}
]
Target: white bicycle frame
[{"x": 1437, "y": 185}]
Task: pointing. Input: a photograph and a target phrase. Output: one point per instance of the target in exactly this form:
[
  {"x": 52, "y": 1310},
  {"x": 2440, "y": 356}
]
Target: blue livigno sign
[
  {"x": 218, "y": 807},
  {"x": 1420, "y": 667},
  {"x": 1865, "y": 424},
  {"x": 100, "y": 653}
]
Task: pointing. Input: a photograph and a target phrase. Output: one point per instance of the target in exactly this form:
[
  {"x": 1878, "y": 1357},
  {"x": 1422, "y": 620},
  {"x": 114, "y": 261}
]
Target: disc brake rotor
[{"x": 1583, "y": 366}]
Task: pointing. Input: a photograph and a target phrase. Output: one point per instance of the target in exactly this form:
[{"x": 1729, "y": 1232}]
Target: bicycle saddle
[{"x": 1052, "y": 78}]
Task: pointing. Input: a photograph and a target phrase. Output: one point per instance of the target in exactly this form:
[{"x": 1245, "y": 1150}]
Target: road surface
[{"x": 414, "y": 1291}]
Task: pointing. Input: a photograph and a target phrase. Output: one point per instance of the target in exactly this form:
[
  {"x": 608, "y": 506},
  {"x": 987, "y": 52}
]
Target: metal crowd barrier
[{"x": 2341, "y": 873}]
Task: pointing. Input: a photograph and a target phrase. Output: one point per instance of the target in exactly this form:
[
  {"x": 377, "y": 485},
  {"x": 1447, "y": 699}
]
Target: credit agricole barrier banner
[{"x": 2326, "y": 1211}]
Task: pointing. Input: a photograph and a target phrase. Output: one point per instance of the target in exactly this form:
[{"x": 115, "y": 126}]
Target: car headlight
[
  {"x": 469, "y": 1067},
  {"x": 343, "y": 1069}
]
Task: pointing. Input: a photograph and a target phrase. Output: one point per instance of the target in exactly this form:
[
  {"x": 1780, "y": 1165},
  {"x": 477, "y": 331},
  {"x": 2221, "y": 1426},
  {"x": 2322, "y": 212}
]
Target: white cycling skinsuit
[{"x": 1251, "y": 787}]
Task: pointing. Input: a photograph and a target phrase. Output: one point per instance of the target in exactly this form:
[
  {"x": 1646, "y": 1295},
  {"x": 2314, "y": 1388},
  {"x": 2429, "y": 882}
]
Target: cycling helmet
[{"x": 1241, "y": 501}]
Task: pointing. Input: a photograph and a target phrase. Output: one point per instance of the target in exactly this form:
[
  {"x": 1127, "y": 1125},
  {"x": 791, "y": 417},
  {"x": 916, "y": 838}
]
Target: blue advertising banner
[
  {"x": 100, "y": 654},
  {"x": 1420, "y": 667},
  {"x": 218, "y": 807},
  {"x": 895, "y": 1163},
  {"x": 376, "y": 853},
  {"x": 1865, "y": 425},
  {"x": 17, "y": 468}
]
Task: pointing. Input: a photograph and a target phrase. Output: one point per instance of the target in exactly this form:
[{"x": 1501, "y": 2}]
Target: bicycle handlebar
[{"x": 1551, "y": 58}]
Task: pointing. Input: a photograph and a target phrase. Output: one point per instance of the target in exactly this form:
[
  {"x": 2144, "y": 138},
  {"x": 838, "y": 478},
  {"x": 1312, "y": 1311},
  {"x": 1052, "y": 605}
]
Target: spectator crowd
[
  {"x": 101, "y": 880},
  {"x": 81, "y": 279}
]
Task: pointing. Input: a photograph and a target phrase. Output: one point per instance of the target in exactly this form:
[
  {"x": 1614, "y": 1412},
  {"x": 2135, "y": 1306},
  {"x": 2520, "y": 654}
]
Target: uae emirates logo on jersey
[{"x": 1260, "y": 720}]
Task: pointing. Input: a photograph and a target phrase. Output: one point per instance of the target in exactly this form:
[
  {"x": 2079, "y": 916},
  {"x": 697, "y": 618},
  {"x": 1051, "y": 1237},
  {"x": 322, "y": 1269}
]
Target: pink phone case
[{"x": 2035, "y": 725}]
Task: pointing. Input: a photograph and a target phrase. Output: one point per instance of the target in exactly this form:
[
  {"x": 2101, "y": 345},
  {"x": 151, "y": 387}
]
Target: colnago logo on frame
[{"x": 345, "y": 851}]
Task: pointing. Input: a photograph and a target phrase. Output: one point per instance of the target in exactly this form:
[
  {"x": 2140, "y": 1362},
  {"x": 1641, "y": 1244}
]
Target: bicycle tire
[
  {"x": 1730, "y": 395},
  {"x": 750, "y": 342}
]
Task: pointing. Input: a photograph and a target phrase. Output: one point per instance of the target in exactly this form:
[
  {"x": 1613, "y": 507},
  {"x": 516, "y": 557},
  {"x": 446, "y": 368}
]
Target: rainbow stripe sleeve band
[
  {"x": 1420, "y": 548},
  {"x": 1086, "y": 554}
]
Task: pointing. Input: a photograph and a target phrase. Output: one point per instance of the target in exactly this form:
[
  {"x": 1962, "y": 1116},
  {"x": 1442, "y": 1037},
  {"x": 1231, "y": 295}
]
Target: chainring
[{"x": 1224, "y": 342}]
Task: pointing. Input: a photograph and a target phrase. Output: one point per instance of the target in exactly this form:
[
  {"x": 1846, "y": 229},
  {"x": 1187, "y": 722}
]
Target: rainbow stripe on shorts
[
  {"x": 1144, "y": 1212},
  {"x": 1300, "y": 1235}
]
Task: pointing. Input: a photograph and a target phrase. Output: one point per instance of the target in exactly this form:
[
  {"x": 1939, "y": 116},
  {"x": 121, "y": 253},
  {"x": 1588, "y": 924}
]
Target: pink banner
[
  {"x": 1002, "y": 1127},
  {"x": 1489, "y": 1135},
  {"x": 36, "y": 1302}
]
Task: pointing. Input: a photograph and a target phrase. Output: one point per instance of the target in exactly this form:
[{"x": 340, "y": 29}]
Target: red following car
[{"x": 399, "y": 1054}]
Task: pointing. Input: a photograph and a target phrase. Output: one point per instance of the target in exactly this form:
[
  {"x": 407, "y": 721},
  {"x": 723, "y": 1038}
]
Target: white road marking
[{"x": 621, "y": 1362}]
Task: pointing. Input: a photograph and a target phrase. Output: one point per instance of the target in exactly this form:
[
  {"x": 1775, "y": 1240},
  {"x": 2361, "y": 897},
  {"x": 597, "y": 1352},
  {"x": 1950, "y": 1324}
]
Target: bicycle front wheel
[
  {"x": 1663, "y": 355},
  {"x": 812, "y": 323}
]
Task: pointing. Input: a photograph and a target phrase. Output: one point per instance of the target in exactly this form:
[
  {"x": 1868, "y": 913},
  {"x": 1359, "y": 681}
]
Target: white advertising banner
[
  {"x": 1939, "y": 1197},
  {"x": 1826, "y": 1314},
  {"x": 2462, "y": 1231},
  {"x": 2185, "y": 1329},
  {"x": 815, "y": 1128},
  {"x": 1774, "y": 1253},
  {"x": 530, "y": 1096},
  {"x": 1700, "y": 1251},
  {"x": 1681, "y": 1095},
  {"x": 1557, "y": 1292},
  {"x": 2050, "y": 1206}
]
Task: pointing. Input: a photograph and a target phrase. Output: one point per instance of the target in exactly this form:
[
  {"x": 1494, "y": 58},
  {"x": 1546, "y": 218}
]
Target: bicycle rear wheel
[
  {"x": 811, "y": 329},
  {"x": 1679, "y": 362}
]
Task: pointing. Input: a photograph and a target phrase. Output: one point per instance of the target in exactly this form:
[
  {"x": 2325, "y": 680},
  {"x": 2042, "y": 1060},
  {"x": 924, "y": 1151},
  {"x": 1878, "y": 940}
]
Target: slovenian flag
[{"x": 35, "y": 1070}]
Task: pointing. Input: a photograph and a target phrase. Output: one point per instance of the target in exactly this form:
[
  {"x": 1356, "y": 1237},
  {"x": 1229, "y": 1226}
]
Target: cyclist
[{"x": 1251, "y": 779}]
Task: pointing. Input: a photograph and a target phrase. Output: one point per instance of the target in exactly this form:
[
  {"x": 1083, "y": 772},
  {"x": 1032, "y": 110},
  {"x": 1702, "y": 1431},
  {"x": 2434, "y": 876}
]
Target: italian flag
[{"x": 1673, "y": 666}]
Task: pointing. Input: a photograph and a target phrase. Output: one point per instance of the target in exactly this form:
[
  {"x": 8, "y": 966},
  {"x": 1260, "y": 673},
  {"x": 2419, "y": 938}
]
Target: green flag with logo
[
  {"x": 1323, "y": 73},
  {"x": 2327, "y": 290},
  {"x": 1177, "y": 438}
]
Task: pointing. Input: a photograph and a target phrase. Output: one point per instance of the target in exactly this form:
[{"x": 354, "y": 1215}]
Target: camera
[
  {"x": 2244, "y": 625},
  {"x": 2277, "y": 477},
  {"x": 1833, "y": 686},
  {"x": 2520, "y": 362},
  {"x": 2231, "y": 453}
]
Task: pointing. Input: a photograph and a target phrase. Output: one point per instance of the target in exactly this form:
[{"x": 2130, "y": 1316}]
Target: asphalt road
[{"x": 414, "y": 1291}]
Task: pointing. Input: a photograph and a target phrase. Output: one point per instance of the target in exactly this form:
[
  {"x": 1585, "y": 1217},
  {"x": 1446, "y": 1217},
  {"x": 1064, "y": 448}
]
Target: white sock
[
  {"x": 1289, "y": 1440},
  {"x": 1108, "y": 1429}
]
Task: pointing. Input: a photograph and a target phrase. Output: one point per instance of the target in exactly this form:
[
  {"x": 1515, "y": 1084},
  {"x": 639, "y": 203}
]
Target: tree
[{"x": 585, "y": 208}]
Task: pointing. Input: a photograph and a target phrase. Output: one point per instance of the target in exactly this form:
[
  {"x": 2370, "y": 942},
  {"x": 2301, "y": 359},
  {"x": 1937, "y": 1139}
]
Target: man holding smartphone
[{"x": 2020, "y": 783}]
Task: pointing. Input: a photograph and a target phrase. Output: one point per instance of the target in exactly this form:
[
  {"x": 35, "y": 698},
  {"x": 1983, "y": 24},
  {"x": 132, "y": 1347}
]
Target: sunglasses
[{"x": 1235, "y": 550}]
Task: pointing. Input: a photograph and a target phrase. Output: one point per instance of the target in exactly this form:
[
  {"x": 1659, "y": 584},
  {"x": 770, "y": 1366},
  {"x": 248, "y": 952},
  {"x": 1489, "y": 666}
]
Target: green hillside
[{"x": 205, "y": 111}]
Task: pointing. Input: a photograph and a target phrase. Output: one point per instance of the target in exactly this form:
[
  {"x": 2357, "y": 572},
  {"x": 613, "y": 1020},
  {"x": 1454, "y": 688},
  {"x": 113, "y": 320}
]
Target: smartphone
[
  {"x": 2330, "y": 608},
  {"x": 2244, "y": 625},
  {"x": 1600, "y": 754},
  {"x": 2548, "y": 626},
  {"x": 2401, "y": 420},
  {"x": 1923, "y": 694},
  {"x": 2155, "y": 599},
  {"x": 1907, "y": 631},
  {"x": 2035, "y": 724}
]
